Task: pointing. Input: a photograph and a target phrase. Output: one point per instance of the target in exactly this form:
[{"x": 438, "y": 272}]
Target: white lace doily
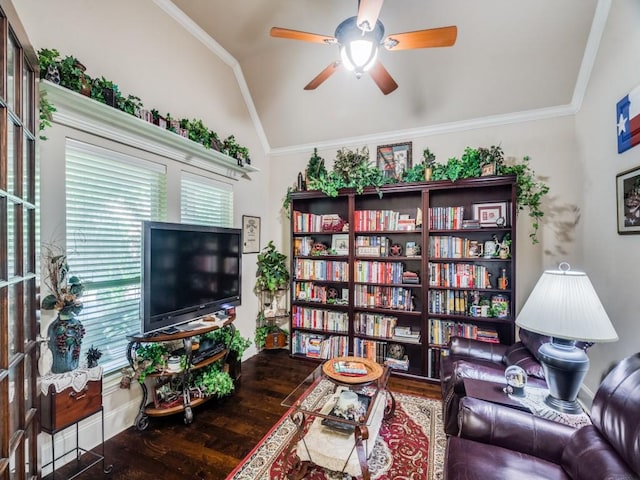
[
  {"x": 77, "y": 379},
  {"x": 534, "y": 401}
]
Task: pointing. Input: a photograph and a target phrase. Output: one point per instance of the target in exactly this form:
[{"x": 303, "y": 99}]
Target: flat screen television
[{"x": 188, "y": 271}]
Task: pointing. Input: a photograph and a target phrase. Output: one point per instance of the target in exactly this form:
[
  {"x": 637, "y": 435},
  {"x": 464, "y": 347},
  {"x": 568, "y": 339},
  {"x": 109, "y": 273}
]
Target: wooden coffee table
[{"x": 326, "y": 439}]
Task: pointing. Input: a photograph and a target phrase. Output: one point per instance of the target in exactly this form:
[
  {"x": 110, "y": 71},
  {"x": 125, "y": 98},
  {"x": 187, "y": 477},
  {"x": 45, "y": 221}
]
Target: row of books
[
  {"x": 319, "y": 346},
  {"x": 445, "y": 246},
  {"x": 371, "y": 349},
  {"x": 332, "y": 270},
  {"x": 373, "y": 296},
  {"x": 434, "y": 360},
  {"x": 382, "y": 220},
  {"x": 310, "y": 222},
  {"x": 312, "y": 292},
  {"x": 378, "y": 272},
  {"x": 328, "y": 320},
  {"x": 446, "y": 218},
  {"x": 374, "y": 246},
  {"x": 441, "y": 331},
  {"x": 462, "y": 275},
  {"x": 374, "y": 324},
  {"x": 448, "y": 302}
]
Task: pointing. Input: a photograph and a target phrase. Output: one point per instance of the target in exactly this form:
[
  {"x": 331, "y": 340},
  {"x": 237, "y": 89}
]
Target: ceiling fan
[{"x": 359, "y": 38}]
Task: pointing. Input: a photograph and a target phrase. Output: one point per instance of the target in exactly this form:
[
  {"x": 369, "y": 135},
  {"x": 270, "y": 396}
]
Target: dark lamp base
[
  {"x": 563, "y": 406},
  {"x": 565, "y": 367}
]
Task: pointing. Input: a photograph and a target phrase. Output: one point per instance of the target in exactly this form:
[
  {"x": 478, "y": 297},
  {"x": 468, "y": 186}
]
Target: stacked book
[
  {"x": 406, "y": 334},
  {"x": 397, "y": 364}
]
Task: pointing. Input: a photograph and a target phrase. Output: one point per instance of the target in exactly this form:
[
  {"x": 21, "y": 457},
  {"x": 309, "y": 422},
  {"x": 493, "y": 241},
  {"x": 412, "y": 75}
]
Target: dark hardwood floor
[{"x": 222, "y": 432}]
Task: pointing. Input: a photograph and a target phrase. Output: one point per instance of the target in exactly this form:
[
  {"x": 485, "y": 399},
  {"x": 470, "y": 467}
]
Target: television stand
[{"x": 185, "y": 398}]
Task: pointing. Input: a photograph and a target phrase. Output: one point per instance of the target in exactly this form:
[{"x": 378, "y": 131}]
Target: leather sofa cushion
[
  {"x": 469, "y": 460},
  {"x": 518, "y": 354}
]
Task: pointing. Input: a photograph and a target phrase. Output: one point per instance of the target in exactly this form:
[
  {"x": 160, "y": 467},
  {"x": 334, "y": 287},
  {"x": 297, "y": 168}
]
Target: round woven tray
[{"x": 374, "y": 370}]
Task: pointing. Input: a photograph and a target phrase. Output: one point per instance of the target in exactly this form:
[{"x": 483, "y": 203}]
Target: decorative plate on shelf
[{"x": 332, "y": 368}]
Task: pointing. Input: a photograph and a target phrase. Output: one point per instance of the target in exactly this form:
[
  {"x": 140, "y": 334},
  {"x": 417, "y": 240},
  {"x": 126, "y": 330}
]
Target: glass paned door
[{"x": 18, "y": 347}]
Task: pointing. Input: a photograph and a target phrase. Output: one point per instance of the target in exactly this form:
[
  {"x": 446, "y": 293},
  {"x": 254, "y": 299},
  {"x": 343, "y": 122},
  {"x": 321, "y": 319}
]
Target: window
[
  {"x": 205, "y": 201},
  {"x": 108, "y": 195}
]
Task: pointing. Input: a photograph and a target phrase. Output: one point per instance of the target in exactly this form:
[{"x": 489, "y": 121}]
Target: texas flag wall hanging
[{"x": 628, "y": 112}]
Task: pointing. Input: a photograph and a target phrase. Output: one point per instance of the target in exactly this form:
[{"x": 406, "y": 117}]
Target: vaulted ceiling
[{"x": 511, "y": 59}]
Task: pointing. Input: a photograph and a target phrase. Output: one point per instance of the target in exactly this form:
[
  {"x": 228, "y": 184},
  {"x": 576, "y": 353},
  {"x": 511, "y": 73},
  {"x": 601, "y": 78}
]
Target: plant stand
[{"x": 274, "y": 314}]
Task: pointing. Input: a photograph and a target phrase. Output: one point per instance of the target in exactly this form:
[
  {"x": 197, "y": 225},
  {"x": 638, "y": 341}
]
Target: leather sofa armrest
[
  {"x": 513, "y": 429},
  {"x": 589, "y": 455},
  {"x": 476, "y": 349}
]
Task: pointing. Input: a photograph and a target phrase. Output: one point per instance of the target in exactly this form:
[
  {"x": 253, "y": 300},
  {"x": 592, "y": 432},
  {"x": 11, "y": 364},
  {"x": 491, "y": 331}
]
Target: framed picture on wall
[
  {"x": 250, "y": 234},
  {"x": 394, "y": 159},
  {"x": 628, "y": 201}
]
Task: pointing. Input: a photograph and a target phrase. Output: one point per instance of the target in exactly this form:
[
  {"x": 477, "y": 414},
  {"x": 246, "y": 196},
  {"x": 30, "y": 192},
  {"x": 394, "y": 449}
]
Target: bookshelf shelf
[{"x": 381, "y": 229}]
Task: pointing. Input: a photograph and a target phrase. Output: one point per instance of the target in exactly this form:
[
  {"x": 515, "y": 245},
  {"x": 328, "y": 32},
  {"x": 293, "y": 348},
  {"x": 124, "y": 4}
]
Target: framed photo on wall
[
  {"x": 628, "y": 201},
  {"x": 394, "y": 159},
  {"x": 250, "y": 234}
]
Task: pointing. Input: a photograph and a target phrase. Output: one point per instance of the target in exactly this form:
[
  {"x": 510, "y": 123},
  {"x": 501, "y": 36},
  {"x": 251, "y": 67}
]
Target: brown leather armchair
[{"x": 498, "y": 442}]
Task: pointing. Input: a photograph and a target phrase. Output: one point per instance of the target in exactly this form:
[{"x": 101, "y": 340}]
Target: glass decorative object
[{"x": 516, "y": 379}]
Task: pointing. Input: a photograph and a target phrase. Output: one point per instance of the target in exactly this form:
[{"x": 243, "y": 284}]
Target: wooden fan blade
[
  {"x": 322, "y": 76},
  {"x": 433, "y": 37},
  {"x": 368, "y": 13},
  {"x": 304, "y": 36},
  {"x": 383, "y": 79}
]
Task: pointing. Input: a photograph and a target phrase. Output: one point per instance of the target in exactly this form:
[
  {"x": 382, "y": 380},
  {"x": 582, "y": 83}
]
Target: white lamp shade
[{"x": 564, "y": 304}]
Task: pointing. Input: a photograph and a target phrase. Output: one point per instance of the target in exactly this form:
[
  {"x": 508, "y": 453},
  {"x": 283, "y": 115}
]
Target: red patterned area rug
[{"x": 410, "y": 446}]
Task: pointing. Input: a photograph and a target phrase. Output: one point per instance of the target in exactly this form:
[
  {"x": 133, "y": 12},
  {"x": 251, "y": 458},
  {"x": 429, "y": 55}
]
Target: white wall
[{"x": 612, "y": 261}]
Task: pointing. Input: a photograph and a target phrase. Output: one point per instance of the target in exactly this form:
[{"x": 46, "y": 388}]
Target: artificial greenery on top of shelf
[
  {"x": 68, "y": 72},
  {"x": 352, "y": 169}
]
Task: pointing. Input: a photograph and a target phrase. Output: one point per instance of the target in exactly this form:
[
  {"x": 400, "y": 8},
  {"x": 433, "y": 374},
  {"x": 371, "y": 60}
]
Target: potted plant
[
  {"x": 429, "y": 159},
  {"x": 213, "y": 380},
  {"x": 272, "y": 272},
  {"x": 105, "y": 91}
]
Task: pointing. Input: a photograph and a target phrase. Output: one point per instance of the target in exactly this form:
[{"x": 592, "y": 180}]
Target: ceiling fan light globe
[{"x": 359, "y": 55}]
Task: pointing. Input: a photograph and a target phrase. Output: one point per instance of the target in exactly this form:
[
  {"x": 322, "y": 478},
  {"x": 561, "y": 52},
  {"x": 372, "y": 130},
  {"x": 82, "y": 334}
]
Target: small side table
[{"x": 66, "y": 400}]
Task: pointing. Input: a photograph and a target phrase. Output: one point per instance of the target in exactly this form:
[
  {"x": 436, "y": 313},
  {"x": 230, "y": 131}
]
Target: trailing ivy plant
[
  {"x": 529, "y": 193},
  {"x": 46, "y": 113},
  {"x": 231, "y": 338}
]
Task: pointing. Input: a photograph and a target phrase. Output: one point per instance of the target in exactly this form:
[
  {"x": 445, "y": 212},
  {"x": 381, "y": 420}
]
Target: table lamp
[{"x": 565, "y": 306}]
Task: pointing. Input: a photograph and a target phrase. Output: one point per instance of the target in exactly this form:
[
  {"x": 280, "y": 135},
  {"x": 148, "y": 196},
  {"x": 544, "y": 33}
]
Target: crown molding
[{"x": 452, "y": 127}]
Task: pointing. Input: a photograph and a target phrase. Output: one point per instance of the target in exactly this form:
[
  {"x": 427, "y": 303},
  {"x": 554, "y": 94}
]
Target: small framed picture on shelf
[
  {"x": 412, "y": 249},
  {"x": 394, "y": 159},
  {"x": 340, "y": 243},
  {"x": 491, "y": 214}
]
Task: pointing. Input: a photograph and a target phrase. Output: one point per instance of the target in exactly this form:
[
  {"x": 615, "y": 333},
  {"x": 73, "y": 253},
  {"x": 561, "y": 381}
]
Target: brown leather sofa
[
  {"x": 484, "y": 361},
  {"x": 497, "y": 442}
]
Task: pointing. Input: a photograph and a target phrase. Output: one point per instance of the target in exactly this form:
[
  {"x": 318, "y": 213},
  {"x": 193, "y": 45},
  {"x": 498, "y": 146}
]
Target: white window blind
[
  {"x": 205, "y": 201},
  {"x": 108, "y": 195}
]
